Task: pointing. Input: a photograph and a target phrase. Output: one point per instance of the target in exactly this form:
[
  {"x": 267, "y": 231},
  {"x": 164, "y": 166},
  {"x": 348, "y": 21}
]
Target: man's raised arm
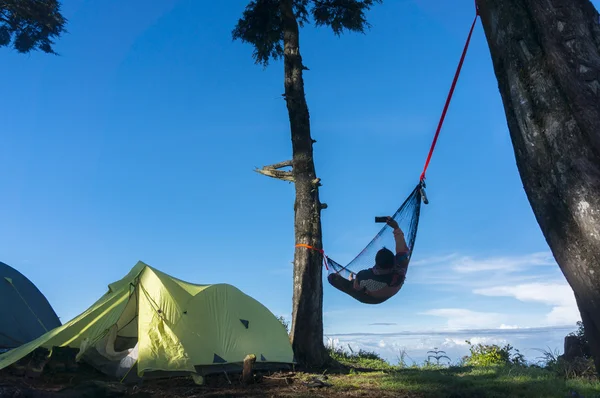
[{"x": 402, "y": 249}]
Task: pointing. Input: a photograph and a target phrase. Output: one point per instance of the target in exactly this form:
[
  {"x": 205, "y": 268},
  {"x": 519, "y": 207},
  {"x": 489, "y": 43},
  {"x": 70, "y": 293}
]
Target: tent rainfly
[
  {"x": 25, "y": 314},
  {"x": 150, "y": 324}
]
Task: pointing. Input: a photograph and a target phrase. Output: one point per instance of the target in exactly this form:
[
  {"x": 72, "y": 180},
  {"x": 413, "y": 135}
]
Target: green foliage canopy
[
  {"x": 261, "y": 24},
  {"x": 30, "y": 25}
]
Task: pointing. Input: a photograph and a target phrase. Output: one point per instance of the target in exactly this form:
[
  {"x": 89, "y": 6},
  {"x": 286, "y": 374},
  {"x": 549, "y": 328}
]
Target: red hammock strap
[
  {"x": 437, "y": 132},
  {"x": 449, "y": 98}
]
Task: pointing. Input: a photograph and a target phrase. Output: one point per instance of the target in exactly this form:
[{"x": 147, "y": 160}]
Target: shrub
[
  {"x": 568, "y": 369},
  {"x": 580, "y": 335},
  {"x": 493, "y": 355}
]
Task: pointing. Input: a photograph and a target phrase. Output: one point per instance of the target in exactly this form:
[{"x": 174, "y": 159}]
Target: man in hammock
[{"x": 377, "y": 284}]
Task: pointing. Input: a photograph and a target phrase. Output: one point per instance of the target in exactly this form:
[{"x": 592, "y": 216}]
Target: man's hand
[{"x": 392, "y": 223}]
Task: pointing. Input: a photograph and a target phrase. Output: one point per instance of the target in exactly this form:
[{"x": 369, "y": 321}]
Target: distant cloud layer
[{"x": 415, "y": 345}]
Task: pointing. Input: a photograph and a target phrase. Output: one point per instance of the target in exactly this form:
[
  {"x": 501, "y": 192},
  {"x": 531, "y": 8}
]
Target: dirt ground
[{"x": 88, "y": 383}]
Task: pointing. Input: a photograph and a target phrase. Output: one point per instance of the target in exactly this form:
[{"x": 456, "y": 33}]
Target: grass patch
[
  {"x": 361, "y": 359},
  {"x": 487, "y": 372},
  {"x": 455, "y": 382}
]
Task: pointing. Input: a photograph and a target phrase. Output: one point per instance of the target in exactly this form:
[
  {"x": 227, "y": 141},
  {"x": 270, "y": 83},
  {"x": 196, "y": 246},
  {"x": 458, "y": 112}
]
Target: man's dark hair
[{"x": 384, "y": 258}]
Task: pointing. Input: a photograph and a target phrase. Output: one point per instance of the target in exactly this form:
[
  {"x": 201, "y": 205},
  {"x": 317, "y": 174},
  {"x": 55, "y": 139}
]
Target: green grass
[
  {"x": 466, "y": 382},
  {"x": 455, "y": 381},
  {"x": 361, "y": 359}
]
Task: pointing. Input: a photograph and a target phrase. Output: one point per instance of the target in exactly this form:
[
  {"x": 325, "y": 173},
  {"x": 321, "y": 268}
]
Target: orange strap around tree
[
  {"x": 310, "y": 247},
  {"x": 315, "y": 249}
]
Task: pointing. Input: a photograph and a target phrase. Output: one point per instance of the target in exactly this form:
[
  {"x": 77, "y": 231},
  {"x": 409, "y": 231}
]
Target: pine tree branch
[{"x": 274, "y": 172}]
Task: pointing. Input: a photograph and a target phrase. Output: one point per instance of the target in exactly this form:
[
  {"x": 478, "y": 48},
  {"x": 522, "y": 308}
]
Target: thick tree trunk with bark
[
  {"x": 307, "y": 310},
  {"x": 546, "y": 56}
]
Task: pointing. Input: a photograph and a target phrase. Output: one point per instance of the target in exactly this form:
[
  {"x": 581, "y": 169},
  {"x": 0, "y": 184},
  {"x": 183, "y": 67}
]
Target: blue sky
[{"x": 139, "y": 143}]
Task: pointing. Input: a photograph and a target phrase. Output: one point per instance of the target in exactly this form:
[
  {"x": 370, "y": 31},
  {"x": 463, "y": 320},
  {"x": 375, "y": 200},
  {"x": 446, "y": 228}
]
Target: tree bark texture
[
  {"x": 546, "y": 57},
  {"x": 307, "y": 304}
]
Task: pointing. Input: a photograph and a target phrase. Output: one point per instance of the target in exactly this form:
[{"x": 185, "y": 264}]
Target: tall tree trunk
[
  {"x": 307, "y": 310},
  {"x": 546, "y": 56}
]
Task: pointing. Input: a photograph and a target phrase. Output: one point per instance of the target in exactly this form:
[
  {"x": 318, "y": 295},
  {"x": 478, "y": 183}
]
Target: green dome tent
[
  {"x": 159, "y": 325},
  {"x": 25, "y": 314}
]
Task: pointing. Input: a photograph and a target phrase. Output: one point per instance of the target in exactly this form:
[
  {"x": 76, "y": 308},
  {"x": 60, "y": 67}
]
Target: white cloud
[
  {"x": 454, "y": 270},
  {"x": 460, "y": 318},
  {"x": 462, "y": 342},
  {"x": 471, "y": 264},
  {"x": 545, "y": 293},
  {"x": 453, "y": 342},
  {"x": 508, "y": 327},
  {"x": 434, "y": 260},
  {"x": 563, "y": 315},
  {"x": 508, "y": 264},
  {"x": 558, "y": 295}
]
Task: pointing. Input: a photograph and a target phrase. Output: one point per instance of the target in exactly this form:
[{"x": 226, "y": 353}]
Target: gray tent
[{"x": 25, "y": 313}]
